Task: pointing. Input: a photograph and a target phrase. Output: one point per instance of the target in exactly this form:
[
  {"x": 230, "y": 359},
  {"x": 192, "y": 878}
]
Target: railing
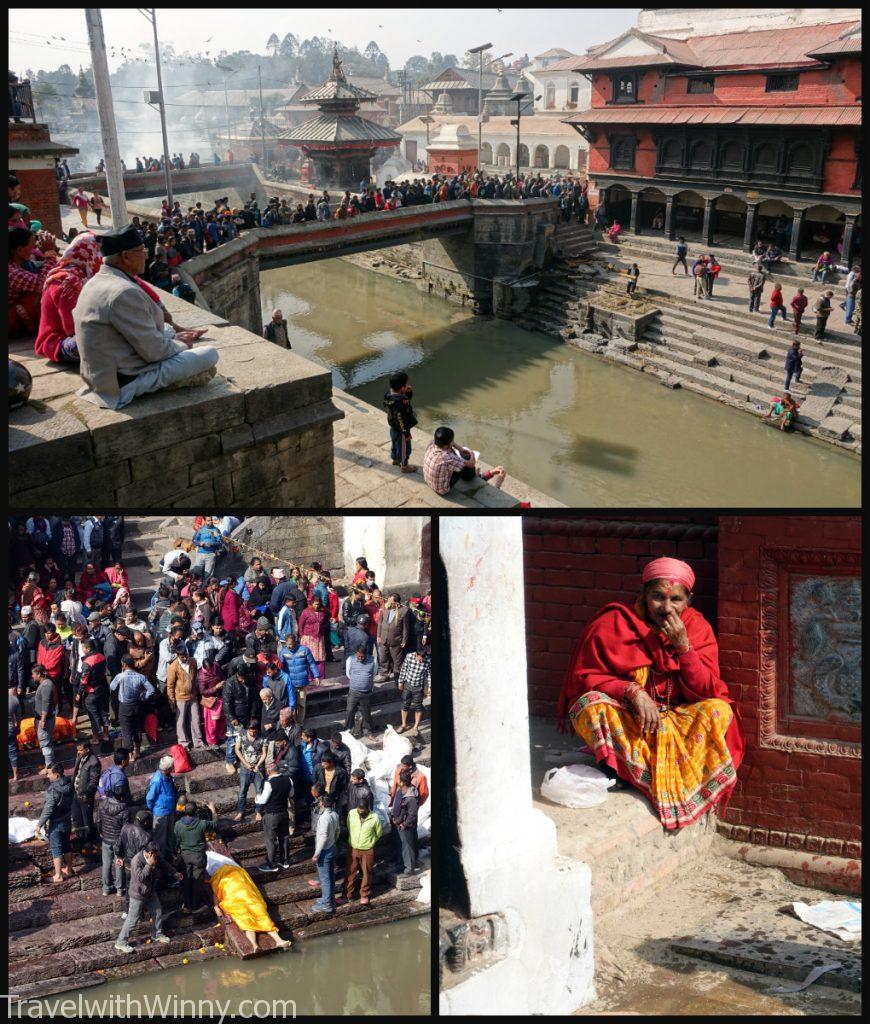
[{"x": 21, "y": 102}]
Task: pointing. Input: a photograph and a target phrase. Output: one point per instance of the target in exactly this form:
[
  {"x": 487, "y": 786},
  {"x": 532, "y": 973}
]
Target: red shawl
[{"x": 617, "y": 641}]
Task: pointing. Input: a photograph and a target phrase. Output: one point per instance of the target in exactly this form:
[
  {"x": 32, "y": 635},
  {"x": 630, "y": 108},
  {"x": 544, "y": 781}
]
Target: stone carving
[
  {"x": 474, "y": 942},
  {"x": 825, "y": 647},
  {"x": 825, "y": 658}
]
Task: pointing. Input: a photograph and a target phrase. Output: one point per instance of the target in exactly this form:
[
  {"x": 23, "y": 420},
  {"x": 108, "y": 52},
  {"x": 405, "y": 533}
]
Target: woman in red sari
[{"x": 643, "y": 691}]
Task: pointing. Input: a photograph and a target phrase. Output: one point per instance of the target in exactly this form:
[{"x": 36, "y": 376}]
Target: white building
[
  {"x": 682, "y": 22},
  {"x": 560, "y": 87},
  {"x": 545, "y": 142}
]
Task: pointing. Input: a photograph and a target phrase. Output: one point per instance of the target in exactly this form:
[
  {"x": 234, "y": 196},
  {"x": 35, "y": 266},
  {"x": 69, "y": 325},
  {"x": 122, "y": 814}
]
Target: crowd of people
[{"x": 223, "y": 660}]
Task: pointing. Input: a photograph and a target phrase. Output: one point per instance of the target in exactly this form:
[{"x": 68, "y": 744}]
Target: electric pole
[{"x": 108, "y": 131}]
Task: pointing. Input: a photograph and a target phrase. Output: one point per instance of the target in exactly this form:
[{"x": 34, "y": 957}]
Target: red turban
[{"x": 671, "y": 569}]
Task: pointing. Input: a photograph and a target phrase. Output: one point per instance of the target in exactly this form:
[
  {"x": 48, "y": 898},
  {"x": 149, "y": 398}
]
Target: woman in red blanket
[
  {"x": 643, "y": 691},
  {"x": 81, "y": 260}
]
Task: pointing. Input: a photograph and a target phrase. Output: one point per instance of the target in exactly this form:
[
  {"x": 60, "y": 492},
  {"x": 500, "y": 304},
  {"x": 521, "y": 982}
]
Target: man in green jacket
[
  {"x": 189, "y": 843},
  {"x": 365, "y": 830}
]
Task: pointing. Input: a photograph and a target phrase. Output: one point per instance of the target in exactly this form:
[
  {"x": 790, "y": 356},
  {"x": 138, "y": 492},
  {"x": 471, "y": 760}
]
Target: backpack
[{"x": 96, "y": 535}]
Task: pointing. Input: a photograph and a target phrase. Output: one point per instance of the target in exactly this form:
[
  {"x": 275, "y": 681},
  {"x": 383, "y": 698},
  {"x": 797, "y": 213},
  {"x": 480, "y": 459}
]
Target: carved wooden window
[
  {"x": 732, "y": 156},
  {"x": 701, "y": 158},
  {"x": 672, "y": 153},
  {"x": 699, "y": 85},
  {"x": 625, "y": 88},
  {"x": 782, "y": 83},
  {"x": 765, "y": 157},
  {"x": 801, "y": 159},
  {"x": 622, "y": 152}
]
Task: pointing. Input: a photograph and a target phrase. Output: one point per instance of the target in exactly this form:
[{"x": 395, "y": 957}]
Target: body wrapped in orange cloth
[{"x": 690, "y": 762}]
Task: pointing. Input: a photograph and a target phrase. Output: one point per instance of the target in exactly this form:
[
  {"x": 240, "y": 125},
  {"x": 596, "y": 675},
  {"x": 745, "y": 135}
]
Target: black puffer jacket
[
  {"x": 86, "y": 775},
  {"x": 112, "y": 816}
]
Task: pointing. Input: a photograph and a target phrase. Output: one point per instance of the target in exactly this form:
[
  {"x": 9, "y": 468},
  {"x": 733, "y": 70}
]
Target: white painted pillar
[
  {"x": 392, "y": 546},
  {"x": 508, "y": 849}
]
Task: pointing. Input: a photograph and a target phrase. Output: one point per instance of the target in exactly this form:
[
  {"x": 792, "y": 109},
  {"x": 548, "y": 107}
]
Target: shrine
[{"x": 339, "y": 143}]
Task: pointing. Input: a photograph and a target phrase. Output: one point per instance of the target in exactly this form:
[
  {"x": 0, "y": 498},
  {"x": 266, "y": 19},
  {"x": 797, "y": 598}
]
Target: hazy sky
[{"x": 403, "y": 34}]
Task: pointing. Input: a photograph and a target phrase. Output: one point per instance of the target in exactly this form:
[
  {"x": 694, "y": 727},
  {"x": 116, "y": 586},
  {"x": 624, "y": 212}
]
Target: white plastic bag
[
  {"x": 359, "y": 752},
  {"x": 21, "y": 829},
  {"x": 395, "y": 745},
  {"x": 576, "y": 785},
  {"x": 841, "y": 917}
]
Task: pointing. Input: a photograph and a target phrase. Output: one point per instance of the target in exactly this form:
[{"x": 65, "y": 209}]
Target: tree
[
  {"x": 371, "y": 51},
  {"x": 85, "y": 87},
  {"x": 274, "y": 44},
  {"x": 289, "y": 45}
]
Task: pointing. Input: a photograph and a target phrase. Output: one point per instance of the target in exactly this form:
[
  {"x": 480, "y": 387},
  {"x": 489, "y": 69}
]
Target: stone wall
[
  {"x": 507, "y": 247},
  {"x": 228, "y": 280},
  {"x": 790, "y": 642},
  {"x": 299, "y": 539},
  {"x": 575, "y": 566},
  {"x": 258, "y": 434}
]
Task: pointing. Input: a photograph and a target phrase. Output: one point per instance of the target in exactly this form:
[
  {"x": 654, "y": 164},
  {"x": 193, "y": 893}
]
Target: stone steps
[
  {"x": 839, "y": 351},
  {"x": 622, "y": 840},
  {"x": 678, "y": 341},
  {"x": 729, "y": 258}
]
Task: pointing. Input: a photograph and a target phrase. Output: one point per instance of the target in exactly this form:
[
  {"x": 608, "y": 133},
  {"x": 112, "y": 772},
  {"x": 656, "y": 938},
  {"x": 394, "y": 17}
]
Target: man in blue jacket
[
  {"x": 299, "y": 664},
  {"x": 161, "y": 798},
  {"x": 208, "y": 542}
]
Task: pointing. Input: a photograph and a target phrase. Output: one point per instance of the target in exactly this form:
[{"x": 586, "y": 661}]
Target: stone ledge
[{"x": 149, "y": 452}]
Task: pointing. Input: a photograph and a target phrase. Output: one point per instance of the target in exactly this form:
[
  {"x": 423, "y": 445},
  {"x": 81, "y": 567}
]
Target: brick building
[
  {"x": 783, "y": 595},
  {"x": 731, "y": 137},
  {"x": 32, "y": 158}
]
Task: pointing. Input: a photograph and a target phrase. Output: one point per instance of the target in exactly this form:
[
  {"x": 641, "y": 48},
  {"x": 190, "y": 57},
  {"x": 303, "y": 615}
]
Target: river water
[
  {"x": 384, "y": 969},
  {"x": 584, "y": 431}
]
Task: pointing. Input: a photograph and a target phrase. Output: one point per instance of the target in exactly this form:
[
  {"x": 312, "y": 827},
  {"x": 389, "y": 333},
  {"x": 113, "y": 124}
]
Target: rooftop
[
  {"x": 715, "y": 114},
  {"x": 333, "y": 128},
  {"x": 765, "y": 48}
]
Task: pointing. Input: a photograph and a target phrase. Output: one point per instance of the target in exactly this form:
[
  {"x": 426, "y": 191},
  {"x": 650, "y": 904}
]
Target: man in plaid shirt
[
  {"x": 414, "y": 684},
  {"x": 444, "y": 463}
]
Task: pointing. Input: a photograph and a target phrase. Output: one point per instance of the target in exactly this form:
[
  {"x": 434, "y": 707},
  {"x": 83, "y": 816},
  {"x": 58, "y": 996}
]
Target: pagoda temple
[{"x": 339, "y": 142}]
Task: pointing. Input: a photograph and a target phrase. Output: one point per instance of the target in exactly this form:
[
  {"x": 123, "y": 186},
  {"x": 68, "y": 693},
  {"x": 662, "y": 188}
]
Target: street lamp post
[
  {"x": 427, "y": 120},
  {"x": 226, "y": 70},
  {"x": 518, "y": 98},
  {"x": 151, "y": 14},
  {"x": 479, "y": 50}
]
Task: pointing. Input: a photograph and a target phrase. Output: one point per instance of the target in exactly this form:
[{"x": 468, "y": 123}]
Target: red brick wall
[
  {"x": 573, "y": 567},
  {"x": 839, "y": 85},
  {"x": 39, "y": 193},
  {"x": 795, "y": 798}
]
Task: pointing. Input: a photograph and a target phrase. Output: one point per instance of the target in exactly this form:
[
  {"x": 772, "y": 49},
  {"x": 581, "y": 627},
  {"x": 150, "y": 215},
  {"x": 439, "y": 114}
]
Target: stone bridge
[
  {"x": 151, "y": 184},
  {"x": 481, "y": 251}
]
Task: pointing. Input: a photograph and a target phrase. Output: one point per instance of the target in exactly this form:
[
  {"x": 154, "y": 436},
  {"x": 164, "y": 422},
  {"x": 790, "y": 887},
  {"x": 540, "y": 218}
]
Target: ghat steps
[
  {"x": 659, "y": 248},
  {"x": 74, "y": 927},
  {"x": 712, "y": 352}
]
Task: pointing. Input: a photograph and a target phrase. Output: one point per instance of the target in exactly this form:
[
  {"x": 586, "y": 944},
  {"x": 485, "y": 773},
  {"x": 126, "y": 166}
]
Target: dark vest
[{"x": 277, "y": 802}]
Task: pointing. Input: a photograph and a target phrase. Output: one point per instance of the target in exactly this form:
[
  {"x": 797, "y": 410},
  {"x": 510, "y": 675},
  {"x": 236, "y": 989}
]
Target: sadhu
[{"x": 643, "y": 691}]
